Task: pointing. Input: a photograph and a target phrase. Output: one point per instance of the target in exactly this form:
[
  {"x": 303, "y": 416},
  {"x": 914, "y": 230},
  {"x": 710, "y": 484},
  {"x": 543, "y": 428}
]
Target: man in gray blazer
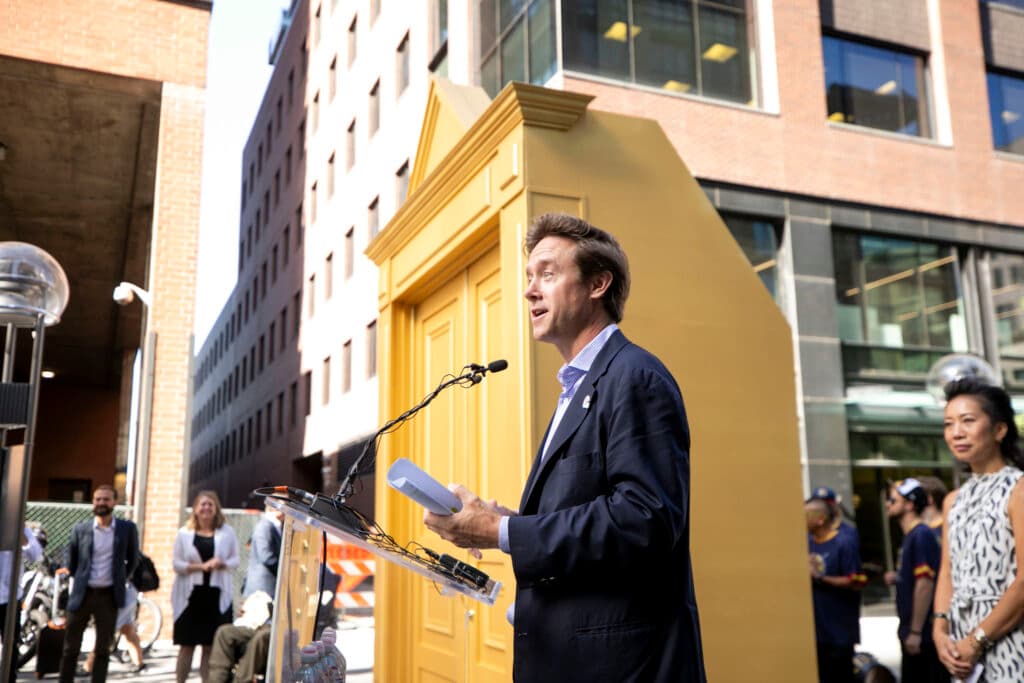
[
  {"x": 266, "y": 550},
  {"x": 103, "y": 553}
]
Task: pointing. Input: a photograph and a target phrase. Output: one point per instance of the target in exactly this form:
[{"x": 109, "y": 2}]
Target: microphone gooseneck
[{"x": 472, "y": 374}]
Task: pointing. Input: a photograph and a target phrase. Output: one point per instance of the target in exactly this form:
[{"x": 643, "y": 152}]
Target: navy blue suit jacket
[
  {"x": 600, "y": 549},
  {"x": 126, "y": 557}
]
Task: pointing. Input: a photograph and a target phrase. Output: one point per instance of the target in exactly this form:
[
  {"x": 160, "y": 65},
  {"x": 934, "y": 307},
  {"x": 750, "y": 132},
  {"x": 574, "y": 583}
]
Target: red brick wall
[
  {"x": 160, "y": 41},
  {"x": 172, "y": 283},
  {"x": 799, "y": 151},
  {"x": 152, "y": 39}
]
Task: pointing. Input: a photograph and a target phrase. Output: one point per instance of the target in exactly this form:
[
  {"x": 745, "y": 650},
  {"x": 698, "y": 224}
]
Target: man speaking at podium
[{"x": 600, "y": 545}]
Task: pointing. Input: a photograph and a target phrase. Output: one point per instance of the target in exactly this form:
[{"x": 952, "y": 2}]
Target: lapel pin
[{"x": 586, "y": 402}]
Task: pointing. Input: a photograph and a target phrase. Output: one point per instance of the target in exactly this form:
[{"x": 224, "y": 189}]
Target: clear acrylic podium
[{"x": 298, "y": 578}]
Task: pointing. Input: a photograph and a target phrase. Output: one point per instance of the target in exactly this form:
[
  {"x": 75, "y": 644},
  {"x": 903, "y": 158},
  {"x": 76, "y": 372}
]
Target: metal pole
[
  {"x": 142, "y": 438},
  {"x": 10, "y": 626}
]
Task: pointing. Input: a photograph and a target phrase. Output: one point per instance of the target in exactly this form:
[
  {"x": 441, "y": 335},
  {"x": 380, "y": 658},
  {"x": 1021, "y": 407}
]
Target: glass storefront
[{"x": 899, "y": 306}]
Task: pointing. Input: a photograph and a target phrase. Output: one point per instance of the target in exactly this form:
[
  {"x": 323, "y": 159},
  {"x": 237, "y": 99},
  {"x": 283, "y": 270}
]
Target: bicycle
[{"x": 148, "y": 622}]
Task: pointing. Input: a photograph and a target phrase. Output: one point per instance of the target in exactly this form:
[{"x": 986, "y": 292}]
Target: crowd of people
[
  {"x": 959, "y": 601},
  {"x": 102, "y": 556},
  {"x": 608, "y": 494}
]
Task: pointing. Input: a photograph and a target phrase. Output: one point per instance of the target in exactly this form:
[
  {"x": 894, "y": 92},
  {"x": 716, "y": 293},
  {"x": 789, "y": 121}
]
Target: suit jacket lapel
[
  {"x": 86, "y": 550},
  {"x": 574, "y": 414}
]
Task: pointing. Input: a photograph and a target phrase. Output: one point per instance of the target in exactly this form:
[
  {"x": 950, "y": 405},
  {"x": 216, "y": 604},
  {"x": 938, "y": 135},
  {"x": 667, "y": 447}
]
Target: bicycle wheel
[
  {"x": 148, "y": 621},
  {"x": 28, "y": 641}
]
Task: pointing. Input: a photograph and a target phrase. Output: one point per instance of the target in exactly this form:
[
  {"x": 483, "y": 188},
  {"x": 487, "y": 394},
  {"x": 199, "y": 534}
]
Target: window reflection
[
  {"x": 693, "y": 46},
  {"x": 1008, "y": 307},
  {"x": 1006, "y": 109},
  {"x": 517, "y": 42},
  {"x": 898, "y": 293},
  {"x": 759, "y": 241},
  {"x": 875, "y": 87}
]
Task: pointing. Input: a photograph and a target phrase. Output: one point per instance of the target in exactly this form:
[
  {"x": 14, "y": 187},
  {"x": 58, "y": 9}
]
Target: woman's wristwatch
[{"x": 983, "y": 642}]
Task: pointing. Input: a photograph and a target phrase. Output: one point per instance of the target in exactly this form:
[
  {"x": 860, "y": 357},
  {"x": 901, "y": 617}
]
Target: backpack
[{"x": 145, "y": 578}]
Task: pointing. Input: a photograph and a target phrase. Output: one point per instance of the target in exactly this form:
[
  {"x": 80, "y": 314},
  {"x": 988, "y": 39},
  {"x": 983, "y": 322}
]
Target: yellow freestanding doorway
[{"x": 451, "y": 281}]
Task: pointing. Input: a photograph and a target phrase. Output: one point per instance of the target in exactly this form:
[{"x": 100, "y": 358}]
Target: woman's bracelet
[{"x": 941, "y": 615}]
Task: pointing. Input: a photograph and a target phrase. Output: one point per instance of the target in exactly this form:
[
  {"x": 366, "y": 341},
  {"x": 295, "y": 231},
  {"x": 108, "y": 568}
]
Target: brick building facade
[{"x": 104, "y": 140}]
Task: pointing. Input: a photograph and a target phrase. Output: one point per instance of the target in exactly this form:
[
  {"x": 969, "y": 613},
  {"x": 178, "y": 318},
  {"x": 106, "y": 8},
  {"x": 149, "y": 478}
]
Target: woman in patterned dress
[{"x": 979, "y": 598}]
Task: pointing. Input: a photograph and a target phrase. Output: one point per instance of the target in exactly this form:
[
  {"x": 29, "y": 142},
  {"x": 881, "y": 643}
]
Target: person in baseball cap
[
  {"x": 916, "y": 571},
  {"x": 828, "y": 495}
]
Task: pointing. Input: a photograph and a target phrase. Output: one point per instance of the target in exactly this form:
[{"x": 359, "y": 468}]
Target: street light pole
[{"x": 33, "y": 294}]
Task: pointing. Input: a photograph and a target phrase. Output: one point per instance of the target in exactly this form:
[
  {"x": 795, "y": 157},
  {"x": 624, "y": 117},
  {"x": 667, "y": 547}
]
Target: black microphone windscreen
[{"x": 497, "y": 365}]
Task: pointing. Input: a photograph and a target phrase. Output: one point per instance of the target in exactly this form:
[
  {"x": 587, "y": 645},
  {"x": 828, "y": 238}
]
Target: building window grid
[{"x": 899, "y": 305}]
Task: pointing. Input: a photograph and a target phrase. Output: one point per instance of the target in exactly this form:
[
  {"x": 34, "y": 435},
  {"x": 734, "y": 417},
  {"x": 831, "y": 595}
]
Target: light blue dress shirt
[{"x": 570, "y": 376}]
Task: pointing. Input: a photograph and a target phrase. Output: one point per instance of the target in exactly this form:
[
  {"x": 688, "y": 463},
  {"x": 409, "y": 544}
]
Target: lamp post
[
  {"x": 124, "y": 294},
  {"x": 33, "y": 295}
]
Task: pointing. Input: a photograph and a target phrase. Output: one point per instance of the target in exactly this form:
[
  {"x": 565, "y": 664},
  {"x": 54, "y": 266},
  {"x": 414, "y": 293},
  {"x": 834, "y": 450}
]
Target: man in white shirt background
[{"x": 102, "y": 555}]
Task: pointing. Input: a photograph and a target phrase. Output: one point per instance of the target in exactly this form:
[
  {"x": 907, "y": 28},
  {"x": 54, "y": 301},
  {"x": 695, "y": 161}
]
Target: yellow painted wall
[{"x": 451, "y": 282}]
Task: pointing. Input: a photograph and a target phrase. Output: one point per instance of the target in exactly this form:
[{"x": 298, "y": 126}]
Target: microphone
[
  {"x": 474, "y": 376},
  {"x": 493, "y": 366}
]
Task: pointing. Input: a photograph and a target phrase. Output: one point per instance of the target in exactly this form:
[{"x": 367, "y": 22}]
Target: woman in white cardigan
[{"x": 205, "y": 553}]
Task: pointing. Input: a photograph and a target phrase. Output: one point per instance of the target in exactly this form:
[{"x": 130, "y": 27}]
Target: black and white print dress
[{"x": 983, "y": 563}]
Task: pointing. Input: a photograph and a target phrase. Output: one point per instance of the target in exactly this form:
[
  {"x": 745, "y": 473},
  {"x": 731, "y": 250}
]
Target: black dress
[{"x": 202, "y": 615}]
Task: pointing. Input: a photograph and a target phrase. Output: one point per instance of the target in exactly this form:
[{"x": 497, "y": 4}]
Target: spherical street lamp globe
[
  {"x": 956, "y": 366},
  {"x": 32, "y": 284}
]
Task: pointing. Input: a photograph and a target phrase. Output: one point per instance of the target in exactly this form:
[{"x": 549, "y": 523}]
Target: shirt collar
[
  {"x": 570, "y": 373},
  {"x": 96, "y": 525}
]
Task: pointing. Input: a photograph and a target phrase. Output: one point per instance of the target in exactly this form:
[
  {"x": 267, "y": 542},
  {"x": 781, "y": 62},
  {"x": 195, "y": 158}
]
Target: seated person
[{"x": 243, "y": 646}]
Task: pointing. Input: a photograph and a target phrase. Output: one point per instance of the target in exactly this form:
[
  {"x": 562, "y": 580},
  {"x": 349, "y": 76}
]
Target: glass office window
[
  {"x": 875, "y": 87},
  {"x": 915, "y": 448},
  {"x": 694, "y": 46},
  {"x": 1006, "y": 107},
  {"x": 1019, "y": 4},
  {"x": 1007, "y": 272},
  {"x": 759, "y": 241},
  {"x": 899, "y": 304},
  {"x": 517, "y": 42}
]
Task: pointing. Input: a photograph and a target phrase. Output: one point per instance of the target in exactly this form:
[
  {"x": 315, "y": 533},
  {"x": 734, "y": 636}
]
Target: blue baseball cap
[{"x": 824, "y": 493}]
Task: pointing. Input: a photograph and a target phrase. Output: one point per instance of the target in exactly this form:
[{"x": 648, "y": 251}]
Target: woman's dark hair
[{"x": 995, "y": 403}]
